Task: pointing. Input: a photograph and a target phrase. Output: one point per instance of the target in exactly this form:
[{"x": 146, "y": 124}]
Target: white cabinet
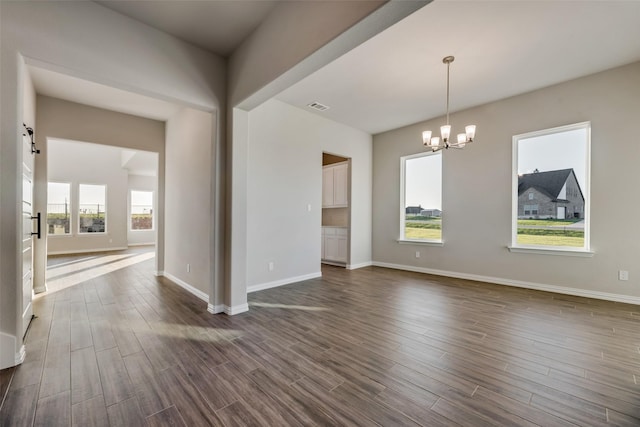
[
  {"x": 334, "y": 244},
  {"x": 335, "y": 181}
]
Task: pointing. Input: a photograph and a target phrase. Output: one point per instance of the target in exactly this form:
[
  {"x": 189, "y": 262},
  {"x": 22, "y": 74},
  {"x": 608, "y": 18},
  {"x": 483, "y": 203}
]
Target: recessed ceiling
[
  {"x": 217, "y": 26},
  {"x": 72, "y": 89},
  {"x": 502, "y": 48}
]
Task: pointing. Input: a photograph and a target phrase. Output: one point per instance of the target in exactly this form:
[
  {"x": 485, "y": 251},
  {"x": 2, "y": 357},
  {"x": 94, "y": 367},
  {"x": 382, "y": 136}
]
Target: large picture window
[
  {"x": 141, "y": 210},
  {"x": 421, "y": 204},
  {"x": 551, "y": 189},
  {"x": 58, "y": 208},
  {"x": 92, "y": 201}
]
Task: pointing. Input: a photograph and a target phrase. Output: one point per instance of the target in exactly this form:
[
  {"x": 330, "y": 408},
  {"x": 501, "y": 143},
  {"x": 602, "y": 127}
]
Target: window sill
[
  {"x": 547, "y": 251},
  {"x": 420, "y": 242}
]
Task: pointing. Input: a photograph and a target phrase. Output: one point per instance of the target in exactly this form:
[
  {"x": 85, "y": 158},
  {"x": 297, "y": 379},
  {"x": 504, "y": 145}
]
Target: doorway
[{"x": 336, "y": 202}]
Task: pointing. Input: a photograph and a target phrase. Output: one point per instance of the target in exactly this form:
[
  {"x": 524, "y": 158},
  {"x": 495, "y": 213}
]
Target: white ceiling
[
  {"x": 218, "y": 26},
  {"x": 502, "y": 48}
]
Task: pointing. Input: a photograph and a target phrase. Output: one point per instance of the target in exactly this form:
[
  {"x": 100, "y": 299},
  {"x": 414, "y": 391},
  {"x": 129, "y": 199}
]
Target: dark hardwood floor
[{"x": 117, "y": 346}]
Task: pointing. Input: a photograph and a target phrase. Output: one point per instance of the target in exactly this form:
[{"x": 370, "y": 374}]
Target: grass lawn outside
[
  {"x": 421, "y": 228},
  {"x": 422, "y": 233},
  {"x": 542, "y": 240}
]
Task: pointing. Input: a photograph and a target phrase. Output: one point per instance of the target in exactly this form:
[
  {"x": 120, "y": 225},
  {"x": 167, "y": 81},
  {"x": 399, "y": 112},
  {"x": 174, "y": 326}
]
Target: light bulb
[
  {"x": 471, "y": 132},
  {"x": 445, "y": 131},
  {"x": 462, "y": 140},
  {"x": 426, "y": 137}
]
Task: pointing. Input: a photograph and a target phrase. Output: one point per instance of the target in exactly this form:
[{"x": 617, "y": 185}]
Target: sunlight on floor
[
  {"x": 69, "y": 267},
  {"x": 74, "y": 273}
]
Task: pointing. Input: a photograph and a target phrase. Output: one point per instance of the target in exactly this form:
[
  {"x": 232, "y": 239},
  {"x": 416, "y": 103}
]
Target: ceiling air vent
[{"x": 318, "y": 106}]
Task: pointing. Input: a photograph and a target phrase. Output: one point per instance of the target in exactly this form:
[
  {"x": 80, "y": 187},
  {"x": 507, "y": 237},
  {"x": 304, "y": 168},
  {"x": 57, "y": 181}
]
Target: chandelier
[{"x": 439, "y": 143}]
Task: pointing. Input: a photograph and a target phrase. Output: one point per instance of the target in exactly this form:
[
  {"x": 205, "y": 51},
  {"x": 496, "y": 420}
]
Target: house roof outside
[{"x": 549, "y": 183}]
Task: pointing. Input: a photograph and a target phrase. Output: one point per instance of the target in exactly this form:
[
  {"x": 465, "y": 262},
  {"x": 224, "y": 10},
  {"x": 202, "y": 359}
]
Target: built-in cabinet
[
  {"x": 335, "y": 209},
  {"x": 335, "y": 184},
  {"x": 334, "y": 244}
]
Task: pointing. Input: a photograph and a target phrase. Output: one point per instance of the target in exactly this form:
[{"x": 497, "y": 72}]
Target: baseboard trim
[
  {"x": 282, "y": 282},
  {"x": 87, "y": 251},
  {"x": 216, "y": 309},
  {"x": 236, "y": 309},
  {"x": 158, "y": 273},
  {"x": 197, "y": 292},
  {"x": 40, "y": 289},
  {"x": 20, "y": 355},
  {"x": 628, "y": 299},
  {"x": 133, "y": 245},
  {"x": 360, "y": 265}
]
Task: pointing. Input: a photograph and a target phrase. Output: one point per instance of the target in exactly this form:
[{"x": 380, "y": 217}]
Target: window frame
[
  {"x": 547, "y": 249},
  {"x": 106, "y": 222},
  {"x": 402, "y": 239},
  {"x": 153, "y": 217},
  {"x": 71, "y": 216}
]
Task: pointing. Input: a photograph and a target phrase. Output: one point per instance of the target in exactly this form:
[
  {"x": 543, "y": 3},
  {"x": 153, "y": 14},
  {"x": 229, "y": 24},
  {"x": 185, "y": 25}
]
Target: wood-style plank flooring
[{"x": 114, "y": 345}]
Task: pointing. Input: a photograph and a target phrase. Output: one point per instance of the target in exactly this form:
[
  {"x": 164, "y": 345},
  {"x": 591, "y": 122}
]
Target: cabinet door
[
  {"x": 331, "y": 248},
  {"x": 340, "y": 184},
  {"x": 327, "y": 187},
  {"x": 341, "y": 247}
]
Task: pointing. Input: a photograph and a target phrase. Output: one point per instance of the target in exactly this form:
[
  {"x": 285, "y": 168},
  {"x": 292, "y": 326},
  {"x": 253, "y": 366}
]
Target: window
[
  {"x": 92, "y": 201},
  {"x": 421, "y": 204},
  {"x": 58, "y": 208},
  {"x": 141, "y": 210},
  {"x": 553, "y": 164}
]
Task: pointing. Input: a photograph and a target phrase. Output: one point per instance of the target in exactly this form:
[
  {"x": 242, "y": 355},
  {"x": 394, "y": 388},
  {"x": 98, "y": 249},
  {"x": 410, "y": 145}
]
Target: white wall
[
  {"x": 284, "y": 176},
  {"x": 83, "y": 163},
  {"x": 188, "y": 199},
  {"x": 477, "y": 189},
  {"x": 296, "y": 39},
  {"x": 86, "y": 40},
  {"x": 71, "y": 121},
  {"x": 143, "y": 183}
]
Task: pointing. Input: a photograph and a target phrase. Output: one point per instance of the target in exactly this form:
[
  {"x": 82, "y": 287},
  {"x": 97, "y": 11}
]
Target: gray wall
[
  {"x": 188, "y": 216},
  {"x": 477, "y": 189},
  {"x": 86, "y": 40},
  {"x": 285, "y": 176}
]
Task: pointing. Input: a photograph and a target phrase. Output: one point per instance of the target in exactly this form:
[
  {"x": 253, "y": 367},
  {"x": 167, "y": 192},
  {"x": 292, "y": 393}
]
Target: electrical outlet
[
  {"x": 309, "y": 207},
  {"x": 623, "y": 275},
  {"x": 271, "y": 265},
  {"x": 417, "y": 254},
  {"x": 188, "y": 268}
]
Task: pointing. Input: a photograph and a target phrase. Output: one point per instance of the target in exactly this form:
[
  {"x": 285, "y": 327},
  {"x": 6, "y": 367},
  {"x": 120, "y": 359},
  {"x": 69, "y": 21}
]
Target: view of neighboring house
[
  {"x": 419, "y": 210},
  {"x": 435, "y": 213},
  {"x": 413, "y": 210},
  {"x": 551, "y": 194}
]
